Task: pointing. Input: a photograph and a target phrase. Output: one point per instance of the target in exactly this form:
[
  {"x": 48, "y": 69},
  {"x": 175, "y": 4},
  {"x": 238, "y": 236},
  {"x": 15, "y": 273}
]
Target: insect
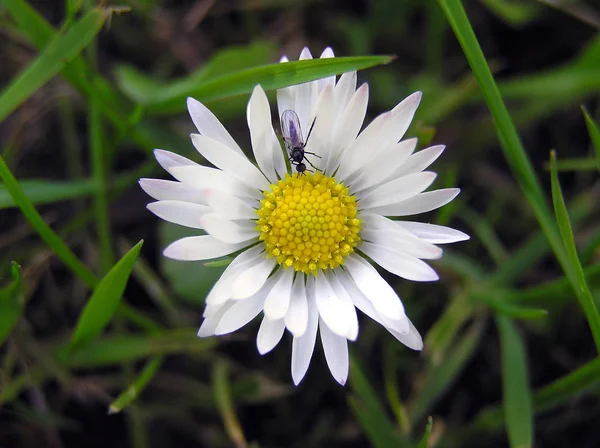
[{"x": 292, "y": 136}]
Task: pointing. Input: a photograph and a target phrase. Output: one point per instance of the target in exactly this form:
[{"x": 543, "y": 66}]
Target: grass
[{"x": 92, "y": 324}]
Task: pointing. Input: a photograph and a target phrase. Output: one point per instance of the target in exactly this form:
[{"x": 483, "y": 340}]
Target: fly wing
[{"x": 290, "y": 128}]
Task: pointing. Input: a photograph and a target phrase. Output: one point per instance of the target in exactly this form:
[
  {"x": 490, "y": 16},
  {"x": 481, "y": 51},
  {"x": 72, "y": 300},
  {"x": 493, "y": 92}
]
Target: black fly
[{"x": 292, "y": 136}]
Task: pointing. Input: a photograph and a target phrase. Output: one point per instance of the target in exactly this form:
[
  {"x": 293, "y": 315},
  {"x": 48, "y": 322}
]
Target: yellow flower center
[{"x": 308, "y": 222}]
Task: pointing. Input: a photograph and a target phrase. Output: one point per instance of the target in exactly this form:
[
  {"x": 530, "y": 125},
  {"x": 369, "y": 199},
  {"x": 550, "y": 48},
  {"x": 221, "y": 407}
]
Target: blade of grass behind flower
[
  {"x": 515, "y": 153},
  {"x": 126, "y": 397},
  {"x": 566, "y": 232},
  {"x": 273, "y": 76},
  {"x": 594, "y": 134},
  {"x": 516, "y": 395},
  {"x": 365, "y": 405},
  {"x": 105, "y": 300},
  {"x": 10, "y": 303},
  {"x": 51, "y": 61}
]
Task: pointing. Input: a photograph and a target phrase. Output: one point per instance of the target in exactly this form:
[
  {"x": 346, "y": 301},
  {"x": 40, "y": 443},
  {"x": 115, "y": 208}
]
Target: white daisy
[{"x": 303, "y": 238}]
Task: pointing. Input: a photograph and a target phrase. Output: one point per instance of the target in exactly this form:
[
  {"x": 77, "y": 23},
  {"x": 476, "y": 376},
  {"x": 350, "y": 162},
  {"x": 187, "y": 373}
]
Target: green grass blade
[
  {"x": 516, "y": 395},
  {"x": 47, "y": 192},
  {"x": 273, "y": 76},
  {"x": 139, "y": 384},
  {"x": 441, "y": 375},
  {"x": 515, "y": 153},
  {"x": 51, "y": 61},
  {"x": 99, "y": 168},
  {"x": 594, "y": 134},
  {"x": 376, "y": 423},
  {"x": 115, "y": 350},
  {"x": 224, "y": 401},
  {"x": 105, "y": 300},
  {"x": 46, "y": 233},
  {"x": 142, "y": 88},
  {"x": 11, "y": 305},
  {"x": 424, "y": 443},
  {"x": 564, "y": 225},
  {"x": 568, "y": 387}
]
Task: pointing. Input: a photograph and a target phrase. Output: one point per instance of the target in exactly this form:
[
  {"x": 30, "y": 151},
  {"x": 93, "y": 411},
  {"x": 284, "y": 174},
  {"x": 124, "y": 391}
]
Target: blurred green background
[{"x": 90, "y": 89}]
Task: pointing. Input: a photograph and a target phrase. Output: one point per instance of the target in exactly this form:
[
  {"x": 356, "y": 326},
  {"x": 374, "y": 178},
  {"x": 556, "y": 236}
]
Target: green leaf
[
  {"x": 517, "y": 397},
  {"x": 11, "y": 305},
  {"x": 270, "y": 77},
  {"x": 118, "y": 349},
  {"x": 105, "y": 300},
  {"x": 51, "y": 61},
  {"x": 594, "y": 134},
  {"x": 126, "y": 397},
  {"x": 581, "y": 287}
]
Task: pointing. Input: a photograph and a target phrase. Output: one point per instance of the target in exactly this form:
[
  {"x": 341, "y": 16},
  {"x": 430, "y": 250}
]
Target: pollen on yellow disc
[{"x": 308, "y": 222}]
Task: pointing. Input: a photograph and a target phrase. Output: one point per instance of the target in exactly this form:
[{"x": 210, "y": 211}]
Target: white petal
[
  {"x": 286, "y": 99},
  {"x": 433, "y": 233},
  {"x": 349, "y": 310},
  {"x": 252, "y": 279},
  {"x": 319, "y": 141},
  {"x": 397, "y": 190},
  {"x": 203, "y": 247},
  {"x": 241, "y": 312},
  {"x": 269, "y": 334},
  {"x": 261, "y": 128},
  {"x": 229, "y": 206},
  {"x": 221, "y": 291},
  {"x": 403, "y": 114},
  {"x": 344, "y": 89},
  {"x": 420, "y": 160},
  {"x": 366, "y": 306},
  {"x": 305, "y": 54},
  {"x": 412, "y": 339},
  {"x": 182, "y": 213},
  {"x": 168, "y": 190},
  {"x": 278, "y": 300},
  {"x": 399, "y": 263},
  {"x": 336, "y": 353},
  {"x": 385, "y": 232},
  {"x": 421, "y": 203},
  {"x": 364, "y": 147},
  {"x": 211, "y": 321},
  {"x": 296, "y": 318},
  {"x": 203, "y": 178},
  {"x": 331, "y": 308},
  {"x": 383, "y": 166},
  {"x": 168, "y": 159},
  {"x": 303, "y": 347},
  {"x": 375, "y": 288},
  {"x": 307, "y": 95},
  {"x": 225, "y": 230},
  {"x": 209, "y": 125},
  {"x": 230, "y": 161},
  {"x": 348, "y": 126}
]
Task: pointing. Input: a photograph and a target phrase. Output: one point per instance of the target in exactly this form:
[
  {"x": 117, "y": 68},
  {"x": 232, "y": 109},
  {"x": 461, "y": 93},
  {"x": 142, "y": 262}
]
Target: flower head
[{"x": 303, "y": 234}]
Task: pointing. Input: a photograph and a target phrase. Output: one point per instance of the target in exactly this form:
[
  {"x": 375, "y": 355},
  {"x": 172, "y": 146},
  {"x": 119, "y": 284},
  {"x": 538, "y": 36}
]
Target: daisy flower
[{"x": 304, "y": 244}]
